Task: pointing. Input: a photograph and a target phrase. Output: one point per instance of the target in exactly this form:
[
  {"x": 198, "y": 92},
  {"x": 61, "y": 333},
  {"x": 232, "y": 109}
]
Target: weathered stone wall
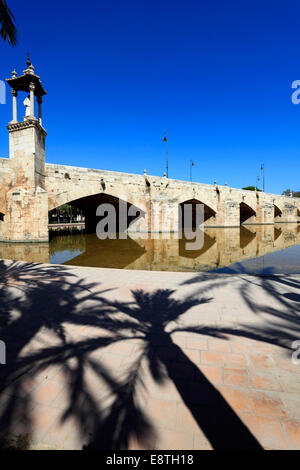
[
  {"x": 65, "y": 184},
  {"x": 23, "y": 199},
  {"x": 29, "y": 188}
]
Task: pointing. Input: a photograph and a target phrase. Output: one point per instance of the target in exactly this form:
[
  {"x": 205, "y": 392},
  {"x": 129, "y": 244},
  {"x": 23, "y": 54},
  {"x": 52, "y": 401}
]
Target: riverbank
[{"x": 171, "y": 360}]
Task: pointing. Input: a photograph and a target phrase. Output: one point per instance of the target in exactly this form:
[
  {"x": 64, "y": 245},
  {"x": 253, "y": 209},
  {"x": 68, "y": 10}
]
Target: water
[{"x": 253, "y": 249}]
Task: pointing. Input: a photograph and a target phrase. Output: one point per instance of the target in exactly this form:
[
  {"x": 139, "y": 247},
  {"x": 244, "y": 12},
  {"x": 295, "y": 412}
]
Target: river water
[{"x": 268, "y": 249}]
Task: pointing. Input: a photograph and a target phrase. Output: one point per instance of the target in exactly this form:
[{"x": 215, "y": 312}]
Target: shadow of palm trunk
[{"x": 217, "y": 420}]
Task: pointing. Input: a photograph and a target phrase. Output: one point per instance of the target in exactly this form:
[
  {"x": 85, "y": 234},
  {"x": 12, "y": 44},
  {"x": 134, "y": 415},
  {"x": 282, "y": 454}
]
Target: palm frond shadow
[
  {"x": 151, "y": 315},
  {"x": 44, "y": 299},
  {"x": 47, "y": 299}
]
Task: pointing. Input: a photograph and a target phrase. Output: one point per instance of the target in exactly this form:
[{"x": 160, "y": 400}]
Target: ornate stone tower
[{"x": 27, "y": 201}]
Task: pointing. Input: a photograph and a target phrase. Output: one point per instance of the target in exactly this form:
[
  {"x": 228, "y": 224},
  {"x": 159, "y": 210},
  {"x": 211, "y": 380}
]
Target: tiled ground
[{"x": 91, "y": 360}]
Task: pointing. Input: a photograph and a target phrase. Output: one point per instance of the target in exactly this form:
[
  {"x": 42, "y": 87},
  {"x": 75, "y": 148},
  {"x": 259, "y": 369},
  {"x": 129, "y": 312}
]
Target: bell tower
[
  {"x": 27, "y": 200},
  {"x": 27, "y": 137}
]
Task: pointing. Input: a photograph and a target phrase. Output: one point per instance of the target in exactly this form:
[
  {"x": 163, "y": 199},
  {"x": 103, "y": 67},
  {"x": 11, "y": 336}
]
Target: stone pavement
[{"x": 103, "y": 358}]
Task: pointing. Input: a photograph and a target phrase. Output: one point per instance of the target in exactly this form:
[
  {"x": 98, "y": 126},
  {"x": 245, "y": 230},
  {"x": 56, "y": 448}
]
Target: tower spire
[
  {"x": 31, "y": 84},
  {"x": 30, "y": 67}
]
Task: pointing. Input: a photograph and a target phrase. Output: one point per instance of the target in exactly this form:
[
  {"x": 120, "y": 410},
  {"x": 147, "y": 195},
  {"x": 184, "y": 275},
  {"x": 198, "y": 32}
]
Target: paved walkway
[{"x": 100, "y": 358}]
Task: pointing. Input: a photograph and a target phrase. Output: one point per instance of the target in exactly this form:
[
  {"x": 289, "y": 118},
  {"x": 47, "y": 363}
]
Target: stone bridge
[{"x": 30, "y": 188}]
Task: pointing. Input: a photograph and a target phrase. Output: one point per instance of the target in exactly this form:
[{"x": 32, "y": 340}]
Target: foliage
[
  {"x": 8, "y": 30},
  {"x": 65, "y": 211},
  {"x": 290, "y": 192},
  {"x": 252, "y": 188}
]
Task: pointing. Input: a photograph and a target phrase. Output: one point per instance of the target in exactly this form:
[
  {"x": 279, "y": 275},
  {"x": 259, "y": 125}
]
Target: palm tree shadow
[
  {"x": 126, "y": 424},
  {"x": 49, "y": 299},
  {"x": 153, "y": 318},
  {"x": 35, "y": 298}
]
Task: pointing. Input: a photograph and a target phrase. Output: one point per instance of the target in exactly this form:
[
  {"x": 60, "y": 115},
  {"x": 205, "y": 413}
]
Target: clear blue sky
[{"x": 216, "y": 74}]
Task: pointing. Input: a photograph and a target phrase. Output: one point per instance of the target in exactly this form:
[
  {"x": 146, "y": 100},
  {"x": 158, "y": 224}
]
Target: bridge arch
[
  {"x": 68, "y": 195},
  {"x": 209, "y": 213},
  {"x": 247, "y": 214},
  {"x": 277, "y": 213},
  {"x": 88, "y": 204}
]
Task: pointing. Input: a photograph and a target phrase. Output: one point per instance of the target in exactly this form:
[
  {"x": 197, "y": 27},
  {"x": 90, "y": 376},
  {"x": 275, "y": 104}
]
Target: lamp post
[
  {"x": 191, "y": 169},
  {"x": 257, "y": 180},
  {"x": 263, "y": 175},
  {"x": 166, "y": 139}
]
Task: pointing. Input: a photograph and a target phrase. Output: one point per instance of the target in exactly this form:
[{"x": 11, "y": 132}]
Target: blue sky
[{"x": 216, "y": 75}]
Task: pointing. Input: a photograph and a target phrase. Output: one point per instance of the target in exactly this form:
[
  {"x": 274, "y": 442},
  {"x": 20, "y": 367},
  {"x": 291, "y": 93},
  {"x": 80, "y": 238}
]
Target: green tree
[
  {"x": 252, "y": 188},
  {"x": 64, "y": 213},
  {"x": 290, "y": 192},
  {"x": 8, "y": 30}
]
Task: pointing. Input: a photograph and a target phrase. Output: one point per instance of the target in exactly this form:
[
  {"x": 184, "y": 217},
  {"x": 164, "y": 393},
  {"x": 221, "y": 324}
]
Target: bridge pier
[
  {"x": 26, "y": 200},
  {"x": 26, "y": 219},
  {"x": 265, "y": 212},
  {"x": 25, "y": 216}
]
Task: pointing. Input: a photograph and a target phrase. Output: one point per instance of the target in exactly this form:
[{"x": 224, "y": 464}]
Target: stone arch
[
  {"x": 277, "y": 213},
  {"x": 1, "y": 217},
  {"x": 209, "y": 213},
  {"x": 89, "y": 204},
  {"x": 247, "y": 214},
  {"x": 208, "y": 199},
  {"x": 74, "y": 193},
  {"x": 251, "y": 199}
]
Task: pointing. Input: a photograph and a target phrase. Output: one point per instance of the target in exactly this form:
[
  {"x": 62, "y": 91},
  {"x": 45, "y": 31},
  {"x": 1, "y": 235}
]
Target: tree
[
  {"x": 290, "y": 192},
  {"x": 252, "y": 188},
  {"x": 8, "y": 30},
  {"x": 64, "y": 213}
]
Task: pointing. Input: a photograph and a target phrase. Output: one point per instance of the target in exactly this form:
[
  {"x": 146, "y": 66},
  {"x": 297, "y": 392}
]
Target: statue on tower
[
  {"x": 26, "y": 103},
  {"x": 29, "y": 83}
]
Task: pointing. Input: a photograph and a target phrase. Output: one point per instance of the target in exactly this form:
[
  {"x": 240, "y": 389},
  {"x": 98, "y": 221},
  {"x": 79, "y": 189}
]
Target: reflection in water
[
  {"x": 251, "y": 249},
  {"x": 33, "y": 252},
  {"x": 107, "y": 253}
]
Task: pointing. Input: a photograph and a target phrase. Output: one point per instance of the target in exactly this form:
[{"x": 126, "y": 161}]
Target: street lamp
[
  {"x": 191, "y": 169},
  {"x": 263, "y": 175},
  {"x": 166, "y": 139},
  {"x": 257, "y": 180}
]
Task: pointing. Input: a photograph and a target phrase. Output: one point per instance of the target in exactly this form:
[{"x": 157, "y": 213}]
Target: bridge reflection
[{"x": 222, "y": 247}]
